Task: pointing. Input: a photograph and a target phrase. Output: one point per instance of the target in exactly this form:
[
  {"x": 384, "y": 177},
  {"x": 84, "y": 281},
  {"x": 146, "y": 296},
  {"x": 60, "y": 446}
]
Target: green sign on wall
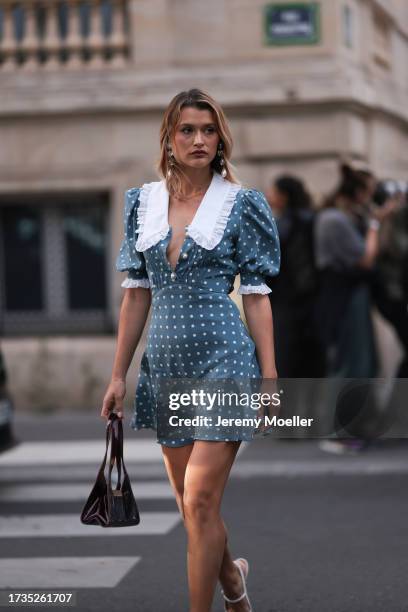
[{"x": 292, "y": 24}]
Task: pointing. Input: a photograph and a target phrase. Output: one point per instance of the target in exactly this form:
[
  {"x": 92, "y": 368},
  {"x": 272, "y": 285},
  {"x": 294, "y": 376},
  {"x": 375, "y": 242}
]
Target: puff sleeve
[
  {"x": 129, "y": 259},
  {"x": 258, "y": 249}
]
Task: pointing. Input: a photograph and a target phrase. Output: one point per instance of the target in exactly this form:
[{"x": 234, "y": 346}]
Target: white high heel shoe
[{"x": 243, "y": 578}]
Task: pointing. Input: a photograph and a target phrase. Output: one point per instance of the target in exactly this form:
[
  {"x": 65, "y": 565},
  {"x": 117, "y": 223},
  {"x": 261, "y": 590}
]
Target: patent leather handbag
[{"x": 105, "y": 506}]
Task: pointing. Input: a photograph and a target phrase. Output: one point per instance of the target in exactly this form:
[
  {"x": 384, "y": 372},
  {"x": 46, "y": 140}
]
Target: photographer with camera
[{"x": 347, "y": 241}]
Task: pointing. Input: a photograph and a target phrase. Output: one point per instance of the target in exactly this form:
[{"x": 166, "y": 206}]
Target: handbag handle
[
  {"x": 110, "y": 435},
  {"x": 116, "y": 454}
]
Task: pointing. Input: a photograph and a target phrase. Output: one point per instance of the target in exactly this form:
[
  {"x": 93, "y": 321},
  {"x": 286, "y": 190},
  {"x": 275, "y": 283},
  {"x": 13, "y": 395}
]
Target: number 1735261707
[{"x": 42, "y": 598}]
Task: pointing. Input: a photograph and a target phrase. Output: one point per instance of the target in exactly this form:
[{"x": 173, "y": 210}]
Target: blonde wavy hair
[{"x": 194, "y": 98}]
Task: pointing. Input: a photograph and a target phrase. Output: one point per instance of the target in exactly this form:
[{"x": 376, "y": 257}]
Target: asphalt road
[{"x": 323, "y": 533}]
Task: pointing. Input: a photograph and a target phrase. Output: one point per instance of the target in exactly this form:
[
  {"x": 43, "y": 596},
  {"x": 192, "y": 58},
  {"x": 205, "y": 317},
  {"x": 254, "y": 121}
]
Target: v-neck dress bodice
[{"x": 195, "y": 330}]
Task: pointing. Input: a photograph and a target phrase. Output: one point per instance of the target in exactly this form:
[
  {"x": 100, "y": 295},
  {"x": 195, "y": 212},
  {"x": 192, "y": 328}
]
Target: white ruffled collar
[{"x": 208, "y": 225}]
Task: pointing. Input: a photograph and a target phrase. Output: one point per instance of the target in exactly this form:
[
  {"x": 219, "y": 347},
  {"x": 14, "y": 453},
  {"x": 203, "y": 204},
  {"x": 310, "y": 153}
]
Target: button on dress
[{"x": 195, "y": 330}]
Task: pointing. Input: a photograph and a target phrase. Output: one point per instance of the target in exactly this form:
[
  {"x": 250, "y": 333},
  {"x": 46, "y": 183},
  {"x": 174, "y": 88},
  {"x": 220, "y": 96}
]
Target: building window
[
  {"x": 22, "y": 240},
  {"x": 53, "y": 265},
  {"x": 381, "y": 38},
  {"x": 348, "y": 34},
  {"x": 84, "y": 242}
]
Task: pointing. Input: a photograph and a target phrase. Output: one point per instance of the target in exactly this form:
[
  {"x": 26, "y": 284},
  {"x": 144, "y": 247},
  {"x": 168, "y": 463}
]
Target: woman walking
[{"x": 186, "y": 238}]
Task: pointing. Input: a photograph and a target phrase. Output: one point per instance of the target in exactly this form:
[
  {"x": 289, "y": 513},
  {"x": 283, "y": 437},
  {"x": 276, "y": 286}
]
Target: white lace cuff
[
  {"x": 247, "y": 289},
  {"x": 131, "y": 283}
]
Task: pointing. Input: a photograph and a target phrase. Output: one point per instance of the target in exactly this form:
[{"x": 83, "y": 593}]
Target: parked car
[{"x": 7, "y": 439}]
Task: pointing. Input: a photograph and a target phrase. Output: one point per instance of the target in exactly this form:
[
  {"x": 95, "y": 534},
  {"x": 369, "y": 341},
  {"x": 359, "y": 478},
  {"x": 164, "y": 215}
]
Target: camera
[{"x": 390, "y": 188}]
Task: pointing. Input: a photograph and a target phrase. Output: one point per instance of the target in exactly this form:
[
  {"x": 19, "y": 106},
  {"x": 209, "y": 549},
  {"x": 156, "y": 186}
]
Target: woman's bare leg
[{"x": 176, "y": 461}]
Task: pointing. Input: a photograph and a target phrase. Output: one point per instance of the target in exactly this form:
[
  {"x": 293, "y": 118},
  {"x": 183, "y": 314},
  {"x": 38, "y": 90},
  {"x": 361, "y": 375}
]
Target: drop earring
[
  {"x": 220, "y": 154},
  {"x": 170, "y": 161}
]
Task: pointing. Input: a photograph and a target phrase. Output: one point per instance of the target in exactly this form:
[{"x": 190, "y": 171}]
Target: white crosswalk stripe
[
  {"x": 76, "y": 492},
  {"x": 68, "y": 525},
  {"x": 350, "y": 466},
  {"x": 75, "y": 473},
  {"x": 77, "y": 451},
  {"x": 64, "y": 472},
  {"x": 64, "y": 572}
]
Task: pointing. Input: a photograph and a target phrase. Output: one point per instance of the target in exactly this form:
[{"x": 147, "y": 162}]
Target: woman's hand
[
  {"x": 381, "y": 213},
  {"x": 113, "y": 399},
  {"x": 270, "y": 407}
]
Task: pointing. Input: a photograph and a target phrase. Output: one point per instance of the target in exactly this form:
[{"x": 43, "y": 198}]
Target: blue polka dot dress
[{"x": 195, "y": 330}]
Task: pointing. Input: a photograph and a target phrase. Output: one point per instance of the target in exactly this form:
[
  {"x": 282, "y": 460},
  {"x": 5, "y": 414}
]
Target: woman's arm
[
  {"x": 371, "y": 247},
  {"x": 132, "y": 319},
  {"x": 258, "y": 313}
]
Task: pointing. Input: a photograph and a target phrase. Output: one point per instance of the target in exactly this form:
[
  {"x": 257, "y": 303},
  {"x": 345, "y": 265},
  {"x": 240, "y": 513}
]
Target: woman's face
[
  {"x": 196, "y": 138},
  {"x": 364, "y": 196}
]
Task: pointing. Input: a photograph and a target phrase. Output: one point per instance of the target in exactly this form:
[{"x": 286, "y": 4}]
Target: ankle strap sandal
[{"x": 243, "y": 578}]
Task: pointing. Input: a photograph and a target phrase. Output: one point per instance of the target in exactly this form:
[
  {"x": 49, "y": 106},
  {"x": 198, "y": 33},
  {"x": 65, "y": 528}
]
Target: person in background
[
  {"x": 7, "y": 437},
  {"x": 298, "y": 352},
  {"x": 347, "y": 246},
  {"x": 390, "y": 287}
]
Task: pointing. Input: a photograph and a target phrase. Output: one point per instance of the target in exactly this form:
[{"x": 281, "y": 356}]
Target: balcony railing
[{"x": 68, "y": 34}]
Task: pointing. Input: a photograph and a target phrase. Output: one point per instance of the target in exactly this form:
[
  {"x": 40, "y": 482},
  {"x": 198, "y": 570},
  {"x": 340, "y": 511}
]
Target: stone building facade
[{"x": 82, "y": 90}]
